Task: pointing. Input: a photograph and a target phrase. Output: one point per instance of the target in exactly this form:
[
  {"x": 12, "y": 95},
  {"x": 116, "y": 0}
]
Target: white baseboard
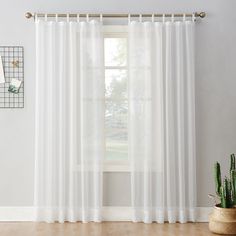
[
  {"x": 125, "y": 213},
  {"x": 203, "y": 214},
  {"x": 16, "y": 213},
  {"x": 109, "y": 214}
]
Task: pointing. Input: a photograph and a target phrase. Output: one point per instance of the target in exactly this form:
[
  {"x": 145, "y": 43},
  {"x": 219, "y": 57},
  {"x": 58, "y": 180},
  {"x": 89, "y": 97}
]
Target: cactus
[
  {"x": 226, "y": 190},
  {"x": 223, "y": 197},
  {"x": 217, "y": 176},
  {"x": 233, "y": 183},
  {"x": 232, "y": 162}
]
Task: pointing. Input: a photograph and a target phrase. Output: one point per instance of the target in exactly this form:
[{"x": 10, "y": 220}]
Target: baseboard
[
  {"x": 16, "y": 213},
  {"x": 203, "y": 214},
  {"x": 109, "y": 213}
]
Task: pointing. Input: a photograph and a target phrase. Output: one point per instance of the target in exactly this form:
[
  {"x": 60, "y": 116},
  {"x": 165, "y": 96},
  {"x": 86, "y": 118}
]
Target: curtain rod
[{"x": 29, "y": 15}]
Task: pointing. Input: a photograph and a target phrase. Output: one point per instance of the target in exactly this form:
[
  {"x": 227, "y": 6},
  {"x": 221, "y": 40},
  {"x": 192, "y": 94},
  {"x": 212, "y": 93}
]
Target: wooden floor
[{"x": 103, "y": 229}]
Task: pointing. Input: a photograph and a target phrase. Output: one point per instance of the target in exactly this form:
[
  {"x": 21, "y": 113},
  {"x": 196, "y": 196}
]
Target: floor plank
[{"x": 103, "y": 229}]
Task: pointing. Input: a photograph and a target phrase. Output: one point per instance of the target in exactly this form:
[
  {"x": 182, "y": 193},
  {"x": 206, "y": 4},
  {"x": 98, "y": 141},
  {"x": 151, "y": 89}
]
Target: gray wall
[{"x": 215, "y": 91}]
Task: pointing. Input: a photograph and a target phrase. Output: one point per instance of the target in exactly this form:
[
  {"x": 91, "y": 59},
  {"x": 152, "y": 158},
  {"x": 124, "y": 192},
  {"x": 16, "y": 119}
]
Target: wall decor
[
  {"x": 12, "y": 74},
  {"x": 2, "y": 76}
]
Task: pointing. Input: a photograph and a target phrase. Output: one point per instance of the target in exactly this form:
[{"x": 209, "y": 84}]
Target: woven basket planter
[{"x": 223, "y": 220}]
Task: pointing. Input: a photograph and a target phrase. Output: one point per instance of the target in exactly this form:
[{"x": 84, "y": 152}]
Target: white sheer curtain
[
  {"x": 161, "y": 121},
  {"x": 69, "y": 121}
]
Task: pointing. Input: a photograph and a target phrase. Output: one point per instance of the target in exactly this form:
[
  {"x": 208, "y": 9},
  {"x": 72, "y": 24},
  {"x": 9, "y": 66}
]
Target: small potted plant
[{"x": 223, "y": 218}]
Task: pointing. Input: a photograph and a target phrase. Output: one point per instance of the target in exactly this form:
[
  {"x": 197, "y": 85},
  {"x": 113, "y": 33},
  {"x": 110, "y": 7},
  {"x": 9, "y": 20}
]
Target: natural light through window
[{"x": 116, "y": 114}]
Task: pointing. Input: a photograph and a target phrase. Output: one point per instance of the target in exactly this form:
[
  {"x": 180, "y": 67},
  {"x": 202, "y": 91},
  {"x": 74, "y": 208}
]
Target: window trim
[
  {"x": 111, "y": 31},
  {"x": 111, "y": 166}
]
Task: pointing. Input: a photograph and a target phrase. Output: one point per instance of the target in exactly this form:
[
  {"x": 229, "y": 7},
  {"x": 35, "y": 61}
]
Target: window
[{"x": 116, "y": 97}]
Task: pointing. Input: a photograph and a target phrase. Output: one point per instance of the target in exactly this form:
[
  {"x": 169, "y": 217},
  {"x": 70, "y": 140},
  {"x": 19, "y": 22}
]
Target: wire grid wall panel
[{"x": 11, "y": 54}]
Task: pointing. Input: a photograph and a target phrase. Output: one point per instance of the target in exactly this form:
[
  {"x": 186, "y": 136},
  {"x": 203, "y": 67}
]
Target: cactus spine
[{"x": 226, "y": 190}]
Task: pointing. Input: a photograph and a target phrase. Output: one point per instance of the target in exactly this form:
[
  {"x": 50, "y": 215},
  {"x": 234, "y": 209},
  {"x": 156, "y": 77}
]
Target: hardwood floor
[{"x": 103, "y": 229}]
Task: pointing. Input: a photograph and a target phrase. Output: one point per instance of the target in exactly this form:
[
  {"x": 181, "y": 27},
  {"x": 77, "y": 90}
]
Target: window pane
[
  {"x": 116, "y": 84},
  {"x": 116, "y": 131},
  {"x": 116, "y": 115},
  {"x": 115, "y": 51}
]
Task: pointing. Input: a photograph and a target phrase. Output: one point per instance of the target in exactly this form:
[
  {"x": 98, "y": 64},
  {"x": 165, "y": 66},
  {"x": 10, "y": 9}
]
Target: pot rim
[{"x": 217, "y": 206}]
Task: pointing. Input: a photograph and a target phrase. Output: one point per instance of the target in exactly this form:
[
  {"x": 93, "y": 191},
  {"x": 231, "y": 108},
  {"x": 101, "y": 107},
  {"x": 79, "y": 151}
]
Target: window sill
[
  {"x": 112, "y": 166},
  {"x": 116, "y": 168}
]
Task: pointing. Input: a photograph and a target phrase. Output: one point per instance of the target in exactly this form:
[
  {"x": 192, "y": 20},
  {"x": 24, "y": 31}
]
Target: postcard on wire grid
[
  {"x": 14, "y": 86},
  {"x": 2, "y": 76}
]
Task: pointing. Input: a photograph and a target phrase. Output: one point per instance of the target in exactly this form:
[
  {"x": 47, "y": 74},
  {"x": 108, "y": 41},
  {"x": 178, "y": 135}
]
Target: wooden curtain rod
[{"x": 29, "y": 15}]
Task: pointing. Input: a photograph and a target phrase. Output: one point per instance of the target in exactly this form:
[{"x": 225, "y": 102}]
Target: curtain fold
[
  {"x": 69, "y": 133},
  {"x": 161, "y": 121}
]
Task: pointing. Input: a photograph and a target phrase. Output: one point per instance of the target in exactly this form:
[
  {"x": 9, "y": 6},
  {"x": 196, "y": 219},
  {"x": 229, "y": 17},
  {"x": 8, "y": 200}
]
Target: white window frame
[{"x": 116, "y": 31}]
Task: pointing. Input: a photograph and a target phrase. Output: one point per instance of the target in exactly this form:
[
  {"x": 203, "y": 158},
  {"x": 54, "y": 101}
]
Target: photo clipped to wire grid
[{"x": 11, "y": 77}]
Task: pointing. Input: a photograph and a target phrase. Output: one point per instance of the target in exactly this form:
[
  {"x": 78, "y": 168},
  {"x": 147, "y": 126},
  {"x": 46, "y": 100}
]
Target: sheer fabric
[
  {"x": 161, "y": 121},
  {"x": 69, "y": 121}
]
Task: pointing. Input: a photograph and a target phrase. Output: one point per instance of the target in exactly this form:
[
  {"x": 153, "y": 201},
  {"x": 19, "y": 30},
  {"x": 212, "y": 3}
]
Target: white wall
[{"x": 215, "y": 91}]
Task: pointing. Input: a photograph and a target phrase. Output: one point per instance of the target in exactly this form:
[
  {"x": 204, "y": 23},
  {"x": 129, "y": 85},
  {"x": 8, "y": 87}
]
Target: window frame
[
  {"x": 113, "y": 165},
  {"x": 116, "y": 31}
]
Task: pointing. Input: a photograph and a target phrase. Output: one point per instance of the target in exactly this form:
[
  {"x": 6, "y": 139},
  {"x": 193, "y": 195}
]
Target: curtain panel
[
  {"x": 162, "y": 121},
  {"x": 69, "y": 145},
  {"x": 70, "y": 117}
]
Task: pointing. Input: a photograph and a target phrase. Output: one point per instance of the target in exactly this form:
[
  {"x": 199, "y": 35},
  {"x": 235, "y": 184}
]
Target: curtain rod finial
[
  {"x": 202, "y": 14},
  {"x": 28, "y": 15}
]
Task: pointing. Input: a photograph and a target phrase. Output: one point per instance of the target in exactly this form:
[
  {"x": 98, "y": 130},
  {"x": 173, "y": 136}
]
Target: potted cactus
[{"x": 223, "y": 218}]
